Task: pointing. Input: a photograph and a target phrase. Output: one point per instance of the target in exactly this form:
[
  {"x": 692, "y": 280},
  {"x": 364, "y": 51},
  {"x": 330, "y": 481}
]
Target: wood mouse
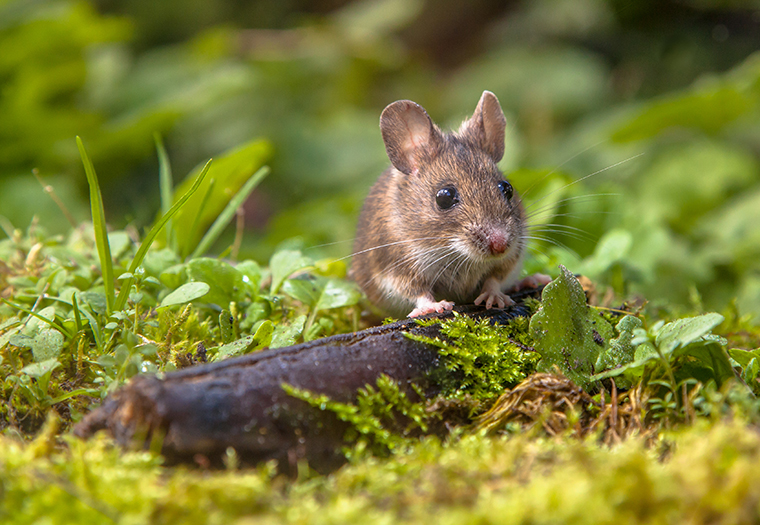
[{"x": 441, "y": 225}]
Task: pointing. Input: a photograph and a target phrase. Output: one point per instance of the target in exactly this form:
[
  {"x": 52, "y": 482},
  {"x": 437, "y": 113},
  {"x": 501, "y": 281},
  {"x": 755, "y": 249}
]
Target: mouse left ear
[
  {"x": 486, "y": 127},
  {"x": 409, "y": 135}
]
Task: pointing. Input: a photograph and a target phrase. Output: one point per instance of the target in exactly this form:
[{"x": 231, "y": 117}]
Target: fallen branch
[{"x": 199, "y": 412}]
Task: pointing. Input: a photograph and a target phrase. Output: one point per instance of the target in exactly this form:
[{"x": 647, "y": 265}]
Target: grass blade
[
  {"x": 231, "y": 169},
  {"x": 77, "y": 315},
  {"x": 228, "y": 213},
  {"x": 121, "y": 300},
  {"x": 99, "y": 225},
  {"x": 53, "y": 324},
  {"x": 95, "y": 328},
  {"x": 166, "y": 186},
  {"x": 197, "y": 219}
]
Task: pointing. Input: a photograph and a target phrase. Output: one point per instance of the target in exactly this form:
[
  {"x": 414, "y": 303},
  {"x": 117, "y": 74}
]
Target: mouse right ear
[{"x": 409, "y": 135}]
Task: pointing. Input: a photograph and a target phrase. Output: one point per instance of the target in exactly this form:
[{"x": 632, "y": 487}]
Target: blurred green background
[{"x": 660, "y": 97}]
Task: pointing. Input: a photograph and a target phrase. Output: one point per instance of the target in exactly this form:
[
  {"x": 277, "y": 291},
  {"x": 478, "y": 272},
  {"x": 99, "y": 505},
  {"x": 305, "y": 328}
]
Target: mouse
[{"x": 442, "y": 225}]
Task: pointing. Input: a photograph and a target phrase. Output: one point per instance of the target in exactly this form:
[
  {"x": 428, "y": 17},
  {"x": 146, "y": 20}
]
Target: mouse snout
[
  {"x": 496, "y": 242},
  {"x": 490, "y": 240}
]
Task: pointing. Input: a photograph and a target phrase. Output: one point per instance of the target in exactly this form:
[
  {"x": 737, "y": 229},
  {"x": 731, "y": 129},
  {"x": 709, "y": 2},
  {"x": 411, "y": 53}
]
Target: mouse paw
[
  {"x": 497, "y": 298},
  {"x": 493, "y": 296},
  {"x": 427, "y": 305},
  {"x": 533, "y": 281}
]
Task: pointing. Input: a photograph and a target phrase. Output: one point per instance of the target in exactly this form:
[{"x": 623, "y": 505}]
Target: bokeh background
[{"x": 653, "y": 106}]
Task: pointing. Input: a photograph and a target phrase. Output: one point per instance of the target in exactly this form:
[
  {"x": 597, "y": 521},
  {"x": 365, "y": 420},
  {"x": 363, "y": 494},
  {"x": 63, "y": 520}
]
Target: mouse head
[{"x": 450, "y": 183}]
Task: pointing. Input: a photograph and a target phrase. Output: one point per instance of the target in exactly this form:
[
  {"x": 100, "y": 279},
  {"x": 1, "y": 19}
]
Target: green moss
[
  {"x": 481, "y": 359},
  {"x": 703, "y": 473},
  {"x": 381, "y": 419}
]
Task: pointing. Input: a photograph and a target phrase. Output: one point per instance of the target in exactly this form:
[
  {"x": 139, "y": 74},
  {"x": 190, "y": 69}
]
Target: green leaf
[
  {"x": 226, "y": 284},
  {"x": 228, "y": 213},
  {"x": 46, "y": 315},
  {"x": 567, "y": 332},
  {"x": 710, "y": 355},
  {"x": 38, "y": 370},
  {"x": 743, "y": 357},
  {"x": 100, "y": 228},
  {"x": 264, "y": 334},
  {"x": 750, "y": 374},
  {"x": 230, "y": 172},
  {"x": 227, "y": 326},
  {"x": 682, "y": 332},
  {"x": 545, "y": 191},
  {"x": 47, "y": 344},
  {"x": 621, "y": 349},
  {"x": 338, "y": 293},
  {"x": 174, "y": 276},
  {"x": 40, "y": 319},
  {"x": 708, "y": 109},
  {"x": 688, "y": 338},
  {"x": 10, "y": 322},
  {"x": 285, "y": 263},
  {"x": 186, "y": 293},
  {"x": 252, "y": 272},
  {"x": 261, "y": 339},
  {"x": 611, "y": 248},
  {"x": 286, "y": 334},
  {"x": 6, "y": 337},
  {"x": 308, "y": 289}
]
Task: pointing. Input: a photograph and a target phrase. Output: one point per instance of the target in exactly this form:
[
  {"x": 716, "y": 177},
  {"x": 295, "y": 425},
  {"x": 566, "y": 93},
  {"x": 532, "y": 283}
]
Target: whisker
[
  {"x": 549, "y": 225},
  {"x": 553, "y": 171},
  {"x": 539, "y": 226},
  {"x": 461, "y": 263},
  {"x": 535, "y": 250},
  {"x": 579, "y": 236},
  {"x": 452, "y": 261},
  {"x": 554, "y": 242},
  {"x": 430, "y": 264},
  {"x": 386, "y": 245},
  {"x": 585, "y": 177},
  {"x": 576, "y": 216},
  {"x": 314, "y": 247},
  {"x": 579, "y": 198},
  {"x": 411, "y": 257}
]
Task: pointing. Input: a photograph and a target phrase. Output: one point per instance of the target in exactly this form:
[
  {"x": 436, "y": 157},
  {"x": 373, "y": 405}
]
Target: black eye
[
  {"x": 506, "y": 189},
  {"x": 446, "y": 197}
]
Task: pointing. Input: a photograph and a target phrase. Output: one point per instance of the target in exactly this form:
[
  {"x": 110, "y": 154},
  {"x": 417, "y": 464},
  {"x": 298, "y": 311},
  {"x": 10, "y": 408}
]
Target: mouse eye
[
  {"x": 446, "y": 197},
  {"x": 506, "y": 189}
]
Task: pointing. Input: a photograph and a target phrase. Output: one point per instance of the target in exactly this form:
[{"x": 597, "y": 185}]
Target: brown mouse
[{"x": 441, "y": 225}]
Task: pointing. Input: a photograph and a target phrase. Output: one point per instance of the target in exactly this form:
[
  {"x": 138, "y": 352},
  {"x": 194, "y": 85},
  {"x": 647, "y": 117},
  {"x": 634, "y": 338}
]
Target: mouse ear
[
  {"x": 486, "y": 126},
  {"x": 409, "y": 135}
]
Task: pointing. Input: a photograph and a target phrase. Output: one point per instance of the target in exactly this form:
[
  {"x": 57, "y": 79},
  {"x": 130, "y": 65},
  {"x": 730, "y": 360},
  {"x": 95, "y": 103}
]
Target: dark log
[{"x": 199, "y": 412}]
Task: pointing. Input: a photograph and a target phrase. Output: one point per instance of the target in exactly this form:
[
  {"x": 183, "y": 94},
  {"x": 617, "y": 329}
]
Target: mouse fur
[{"x": 441, "y": 225}]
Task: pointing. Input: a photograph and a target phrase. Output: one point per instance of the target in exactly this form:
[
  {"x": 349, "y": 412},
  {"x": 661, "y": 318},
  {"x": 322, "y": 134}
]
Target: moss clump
[
  {"x": 380, "y": 420},
  {"x": 481, "y": 359},
  {"x": 709, "y": 474}
]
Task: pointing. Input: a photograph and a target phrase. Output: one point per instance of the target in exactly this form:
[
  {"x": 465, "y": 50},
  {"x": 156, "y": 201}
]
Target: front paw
[
  {"x": 494, "y": 297},
  {"x": 427, "y": 305}
]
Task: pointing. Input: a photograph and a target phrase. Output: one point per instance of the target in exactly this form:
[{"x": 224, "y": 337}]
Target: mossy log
[{"x": 197, "y": 413}]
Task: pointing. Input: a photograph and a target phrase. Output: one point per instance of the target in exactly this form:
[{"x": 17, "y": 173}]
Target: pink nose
[{"x": 497, "y": 243}]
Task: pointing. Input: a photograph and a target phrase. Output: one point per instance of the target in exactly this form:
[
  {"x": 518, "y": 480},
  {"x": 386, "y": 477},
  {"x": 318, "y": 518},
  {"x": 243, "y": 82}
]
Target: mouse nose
[{"x": 497, "y": 242}]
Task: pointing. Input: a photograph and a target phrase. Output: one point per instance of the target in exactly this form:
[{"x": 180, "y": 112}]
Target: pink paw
[
  {"x": 494, "y": 297},
  {"x": 427, "y": 305},
  {"x": 492, "y": 294},
  {"x": 533, "y": 281}
]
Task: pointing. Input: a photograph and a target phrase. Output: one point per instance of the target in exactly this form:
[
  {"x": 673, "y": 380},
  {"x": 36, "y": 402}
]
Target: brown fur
[{"x": 401, "y": 211}]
